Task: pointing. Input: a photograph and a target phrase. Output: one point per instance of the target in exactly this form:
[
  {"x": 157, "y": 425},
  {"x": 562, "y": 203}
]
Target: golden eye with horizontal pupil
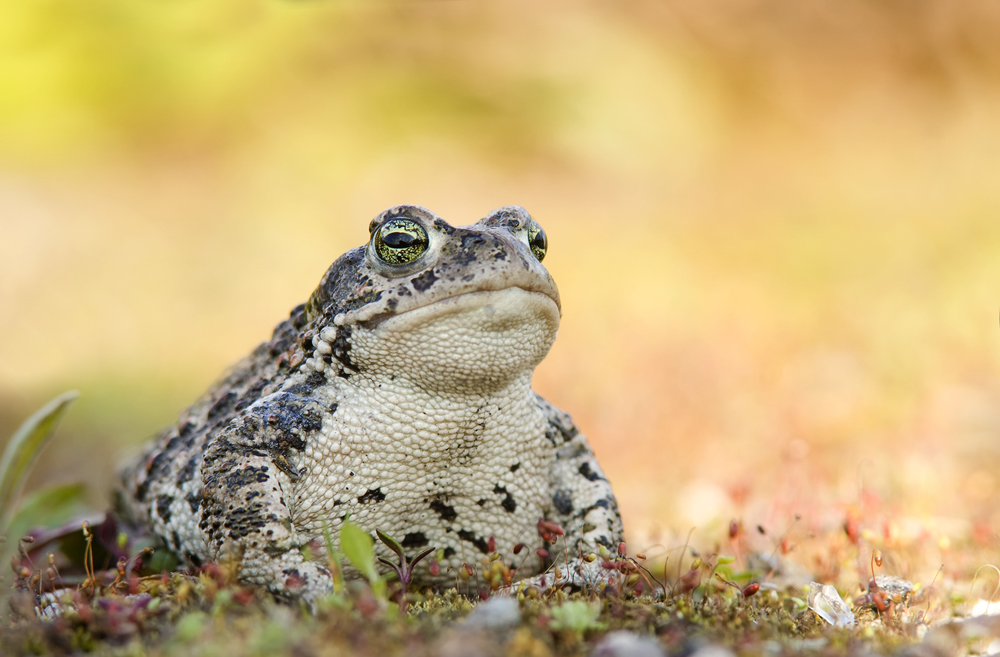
[
  {"x": 537, "y": 241},
  {"x": 400, "y": 241}
]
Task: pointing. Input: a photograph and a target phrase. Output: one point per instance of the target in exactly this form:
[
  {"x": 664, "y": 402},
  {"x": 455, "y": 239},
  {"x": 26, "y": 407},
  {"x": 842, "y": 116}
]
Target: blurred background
[{"x": 775, "y": 226}]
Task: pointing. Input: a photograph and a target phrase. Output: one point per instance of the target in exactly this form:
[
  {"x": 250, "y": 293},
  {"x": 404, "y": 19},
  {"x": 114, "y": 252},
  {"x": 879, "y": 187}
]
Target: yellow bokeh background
[{"x": 775, "y": 225}]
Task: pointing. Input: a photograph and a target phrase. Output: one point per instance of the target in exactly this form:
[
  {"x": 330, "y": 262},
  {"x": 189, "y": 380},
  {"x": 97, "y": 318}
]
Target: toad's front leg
[
  {"x": 245, "y": 517},
  {"x": 582, "y": 503}
]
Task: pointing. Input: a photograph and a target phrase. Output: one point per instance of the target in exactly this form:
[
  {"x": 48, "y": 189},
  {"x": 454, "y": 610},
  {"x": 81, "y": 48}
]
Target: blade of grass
[
  {"x": 358, "y": 547},
  {"x": 23, "y": 451},
  {"x": 46, "y": 508}
]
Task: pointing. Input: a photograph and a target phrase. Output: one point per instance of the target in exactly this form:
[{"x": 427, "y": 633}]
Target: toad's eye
[
  {"x": 537, "y": 241},
  {"x": 400, "y": 241}
]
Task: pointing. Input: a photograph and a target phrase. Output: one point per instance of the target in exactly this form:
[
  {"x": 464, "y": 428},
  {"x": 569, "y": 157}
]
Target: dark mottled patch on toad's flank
[
  {"x": 221, "y": 406},
  {"x": 341, "y": 346},
  {"x": 424, "y": 281},
  {"x": 242, "y": 521},
  {"x": 515, "y": 467},
  {"x": 289, "y": 415},
  {"x": 508, "y": 503},
  {"x": 250, "y": 396},
  {"x": 605, "y": 541},
  {"x": 194, "y": 501},
  {"x": 589, "y": 474},
  {"x": 247, "y": 476},
  {"x": 162, "y": 506},
  {"x": 299, "y": 389},
  {"x": 315, "y": 379},
  {"x": 142, "y": 490},
  {"x": 414, "y": 540},
  {"x": 478, "y": 541},
  {"x": 446, "y": 511},
  {"x": 599, "y": 504},
  {"x": 373, "y": 495},
  {"x": 562, "y": 500},
  {"x": 158, "y": 465}
]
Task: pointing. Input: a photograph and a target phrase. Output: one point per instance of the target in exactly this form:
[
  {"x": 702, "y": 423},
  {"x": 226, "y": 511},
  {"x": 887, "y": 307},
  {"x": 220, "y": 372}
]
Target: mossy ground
[{"x": 209, "y": 613}]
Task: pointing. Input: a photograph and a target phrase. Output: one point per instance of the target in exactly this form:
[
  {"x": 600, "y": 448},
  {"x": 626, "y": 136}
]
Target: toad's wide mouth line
[{"x": 461, "y": 302}]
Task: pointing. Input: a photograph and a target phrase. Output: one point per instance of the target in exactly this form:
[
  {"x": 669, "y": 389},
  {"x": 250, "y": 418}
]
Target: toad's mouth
[
  {"x": 373, "y": 316},
  {"x": 491, "y": 310}
]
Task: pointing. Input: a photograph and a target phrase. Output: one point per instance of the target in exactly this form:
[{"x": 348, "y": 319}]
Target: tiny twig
[{"x": 680, "y": 561}]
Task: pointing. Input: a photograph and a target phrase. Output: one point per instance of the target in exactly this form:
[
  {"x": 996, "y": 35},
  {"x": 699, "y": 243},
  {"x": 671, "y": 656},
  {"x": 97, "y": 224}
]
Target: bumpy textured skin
[{"x": 399, "y": 396}]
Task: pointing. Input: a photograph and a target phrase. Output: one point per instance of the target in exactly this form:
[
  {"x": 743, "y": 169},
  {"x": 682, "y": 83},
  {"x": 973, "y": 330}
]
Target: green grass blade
[
  {"x": 23, "y": 451},
  {"x": 46, "y": 508},
  {"x": 358, "y": 547}
]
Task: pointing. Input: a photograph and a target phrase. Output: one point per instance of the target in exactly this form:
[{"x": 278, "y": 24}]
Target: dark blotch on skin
[
  {"x": 221, "y": 406},
  {"x": 449, "y": 552},
  {"x": 250, "y": 396},
  {"x": 246, "y": 477},
  {"x": 288, "y": 415},
  {"x": 605, "y": 541},
  {"x": 194, "y": 501},
  {"x": 515, "y": 467},
  {"x": 142, "y": 490},
  {"x": 478, "y": 541},
  {"x": 341, "y": 346},
  {"x": 508, "y": 503},
  {"x": 599, "y": 504},
  {"x": 563, "y": 501},
  {"x": 446, "y": 511},
  {"x": 589, "y": 474},
  {"x": 424, "y": 281},
  {"x": 414, "y": 540},
  {"x": 158, "y": 465},
  {"x": 558, "y": 434},
  {"x": 375, "y": 495},
  {"x": 163, "y": 507},
  {"x": 313, "y": 381},
  {"x": 188, "y": 470}
]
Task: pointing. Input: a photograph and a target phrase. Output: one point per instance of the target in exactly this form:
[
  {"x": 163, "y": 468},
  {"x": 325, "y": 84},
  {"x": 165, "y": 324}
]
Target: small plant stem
[{"x": 680, "y": 561}]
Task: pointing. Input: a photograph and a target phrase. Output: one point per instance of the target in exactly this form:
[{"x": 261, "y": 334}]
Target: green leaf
[
  {"x": 392, "y": 544},
  {"x": 576, "y": 616},
  {"x": 49, "y": 507},
  {"x": 358, "y": 547},
  {"x": 333, "y": 556},
  {"x": 23, "y": 451}
]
